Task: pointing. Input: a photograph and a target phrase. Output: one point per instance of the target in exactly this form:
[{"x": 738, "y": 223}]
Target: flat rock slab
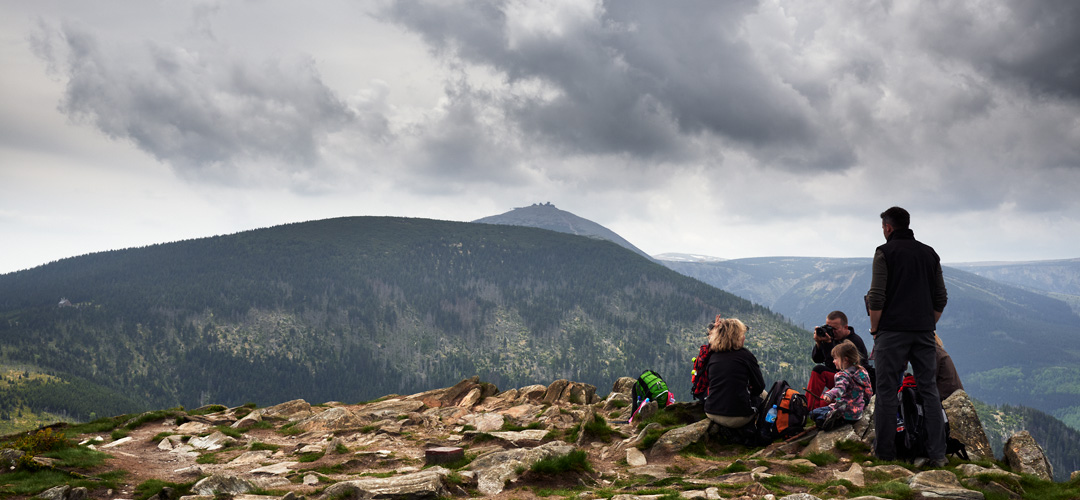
[
  {"x": 275, "y": 469},
  {"x": 427, "y": 484},
  {"x": 519, "y": 438}
]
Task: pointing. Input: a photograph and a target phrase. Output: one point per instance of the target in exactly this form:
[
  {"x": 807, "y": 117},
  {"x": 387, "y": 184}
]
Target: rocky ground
[{"x": 559, "y": 440}]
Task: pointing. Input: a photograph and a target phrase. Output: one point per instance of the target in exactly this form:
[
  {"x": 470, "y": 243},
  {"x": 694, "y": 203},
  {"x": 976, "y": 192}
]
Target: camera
[{"x": 824, "y": 331}]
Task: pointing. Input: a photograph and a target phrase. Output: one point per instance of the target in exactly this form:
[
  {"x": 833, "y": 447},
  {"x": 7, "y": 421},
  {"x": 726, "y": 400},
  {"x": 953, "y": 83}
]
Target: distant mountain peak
[{"x": 547, "y": 216}]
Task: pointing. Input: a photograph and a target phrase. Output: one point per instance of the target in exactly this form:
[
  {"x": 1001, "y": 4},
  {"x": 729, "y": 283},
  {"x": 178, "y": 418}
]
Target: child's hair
[
  {"x": 727, "y": 334},
  {"x": 847, "y": 352}
]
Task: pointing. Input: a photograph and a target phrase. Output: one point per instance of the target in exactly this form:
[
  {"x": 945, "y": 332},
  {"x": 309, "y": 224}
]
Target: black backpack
[
  {"x": 791, "y": 413},
  {"x": 911, "y": 426}
]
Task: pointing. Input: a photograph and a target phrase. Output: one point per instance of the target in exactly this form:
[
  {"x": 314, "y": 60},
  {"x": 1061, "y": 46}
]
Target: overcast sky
[{"x": 732, "y": 129}]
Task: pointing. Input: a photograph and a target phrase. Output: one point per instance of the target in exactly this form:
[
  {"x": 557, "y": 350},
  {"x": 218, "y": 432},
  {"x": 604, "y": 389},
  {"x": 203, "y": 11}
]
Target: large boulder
[
  {"x": 965, "y": 426},
  {"x": 826, "y": 441},
  {"x": 624, "y": 385},
  {"x": 423, "y": 485},
  {"x": 942, "y": 484},
  {"x": 1025, "y": 455},
  {"x": 677, "y": 439},
  {"x": 221, "y": 484},
  {"x": 495, "y": 469},
  {"x": 290, "y": 410}
]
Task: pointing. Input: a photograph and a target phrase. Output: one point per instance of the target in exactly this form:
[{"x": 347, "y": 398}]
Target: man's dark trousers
[{"x": 892, "y": 352}]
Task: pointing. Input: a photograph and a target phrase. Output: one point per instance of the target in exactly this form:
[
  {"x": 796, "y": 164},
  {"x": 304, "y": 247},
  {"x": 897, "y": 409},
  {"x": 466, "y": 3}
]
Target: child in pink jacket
[{"x": 850, "y": 393}]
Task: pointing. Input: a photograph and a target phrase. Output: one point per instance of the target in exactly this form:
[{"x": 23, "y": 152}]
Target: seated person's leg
[{"x": 820, "y": 381}]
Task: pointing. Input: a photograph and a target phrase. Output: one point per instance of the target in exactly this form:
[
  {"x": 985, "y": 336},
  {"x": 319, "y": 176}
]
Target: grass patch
[
  {"x": 77, "y": 457},
  {"x": 482, "y": 437},
  {"x": 599, "y": 429},
  {"x": 229, "y": 431},
  {"x": 206, "y": 410},
  {"x": 895, "y": 489},
  {"x": 852, "y": 446},
  {"x": 736, "y": 466},
  {"x": 310, "y": 457},
  {"x": 803, "y": 470},
  {"x": 341, "y": 449},
  {"x": 822, "y": 458},
  {"x": 152, "y": 416},
  {"x": 162, "y": 435},
  {"x": 380, "y": 475},
  {"x": 257, "y": 446},
  {"x": 508, "y": 426},
  {"x": 100, "y": 425},
  {"x": 560, "y": 492},
  {"x": 618, "y": 403},
  {"x": 208, "y": 458},
  {"x": 29, "y": 483},
  {"x": 576, "y": 461},
  {"x": 650, "y": 438},
  {"x": 459, "y": 463},
  {"x": 368, "y": 429},
  {"x": 290, "y": 429},
  {"x": 152, "y": 487}
]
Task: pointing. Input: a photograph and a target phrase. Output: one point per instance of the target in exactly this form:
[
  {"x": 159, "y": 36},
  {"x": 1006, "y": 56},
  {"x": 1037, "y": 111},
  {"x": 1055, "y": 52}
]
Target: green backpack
[{"x": 650, "y": 385}]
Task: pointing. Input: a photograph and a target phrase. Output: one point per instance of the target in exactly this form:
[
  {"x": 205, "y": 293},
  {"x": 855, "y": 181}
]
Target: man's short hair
[
  {"x": 838, "y": 315},
  {"x": 896, "y": 217}
]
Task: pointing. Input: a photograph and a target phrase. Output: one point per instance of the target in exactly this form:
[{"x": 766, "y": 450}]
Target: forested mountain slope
[{"x": 355, "y": 308}]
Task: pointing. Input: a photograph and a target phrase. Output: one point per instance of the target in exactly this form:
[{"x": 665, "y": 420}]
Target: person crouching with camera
[{"x": 833, "y": 333}]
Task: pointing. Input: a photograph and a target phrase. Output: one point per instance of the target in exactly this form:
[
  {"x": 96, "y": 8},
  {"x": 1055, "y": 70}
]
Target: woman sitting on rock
[{"x": 736, "y": 386}]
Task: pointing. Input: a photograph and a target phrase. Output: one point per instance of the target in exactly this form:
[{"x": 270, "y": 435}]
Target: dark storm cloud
[
  {"x": 1034, "y": 42},
  {"x": 637, "y": 77},
  {"x": 198, "y": 110}
]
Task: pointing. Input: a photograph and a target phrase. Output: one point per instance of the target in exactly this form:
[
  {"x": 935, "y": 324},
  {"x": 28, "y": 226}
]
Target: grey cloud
[
  {"x": 1034, "y": 42},
  {"x": 200, "y": 111},
  {"x": 640, "y": 78}
]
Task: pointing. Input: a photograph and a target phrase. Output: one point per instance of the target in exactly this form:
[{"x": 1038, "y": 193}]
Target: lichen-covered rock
[
  {"x": 1025, "y": 455},
  {"x": 965, "y": 426},
  {"x": 826, "y": 441},
  {"x": 495, "y": 469},
  {"x": 221, "y": 484},
  {"x": 290, "y": 410},
  {"x": 677, "y": 439},
  {"x": 942, "y": 484},
  {"x": 423, "y": 485}
]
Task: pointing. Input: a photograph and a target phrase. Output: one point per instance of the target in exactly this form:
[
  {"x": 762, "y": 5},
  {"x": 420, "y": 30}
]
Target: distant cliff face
[{"x": 546, "y": 216}]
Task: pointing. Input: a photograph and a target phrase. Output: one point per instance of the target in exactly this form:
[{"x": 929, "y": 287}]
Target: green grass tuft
[
  {"x": 576, "y": 460},
  {"x": 152, "y": 487}
]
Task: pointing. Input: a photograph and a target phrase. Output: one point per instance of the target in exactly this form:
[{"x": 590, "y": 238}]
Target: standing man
[
  {"x": 906, "y": 298},
  {"x": 833, "y": 333}
]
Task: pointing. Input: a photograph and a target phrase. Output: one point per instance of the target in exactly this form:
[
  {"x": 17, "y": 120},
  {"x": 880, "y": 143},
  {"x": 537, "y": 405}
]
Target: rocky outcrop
[
  {"x": 964, "y": 425},
  {"x": 495, "y": 469},
  {"x": 380, "y": 450},
  {"x": 1025, "y": 455},
  {"x": 225, "y": 484},
  {"x": 423, "y": 485},
  {"x": 942, "y": 484},
  {"x": 677, "y": 439}
]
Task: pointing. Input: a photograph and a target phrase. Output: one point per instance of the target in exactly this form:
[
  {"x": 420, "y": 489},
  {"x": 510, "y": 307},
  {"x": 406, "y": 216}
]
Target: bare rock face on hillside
[{"x": 472, "y": 440}]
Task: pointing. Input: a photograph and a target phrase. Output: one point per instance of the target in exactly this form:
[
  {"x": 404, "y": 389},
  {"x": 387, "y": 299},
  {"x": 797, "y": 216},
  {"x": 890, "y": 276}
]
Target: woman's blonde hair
[
  {"x": 847, "y": 352},
  {"x": 727, "y": 334}
]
